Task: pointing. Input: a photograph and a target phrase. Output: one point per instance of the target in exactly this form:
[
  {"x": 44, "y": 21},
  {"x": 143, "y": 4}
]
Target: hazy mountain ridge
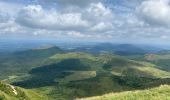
[{"x": 119, "y": 49}]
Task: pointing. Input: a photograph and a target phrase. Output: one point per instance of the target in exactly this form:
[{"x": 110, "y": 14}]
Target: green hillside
[
  {"x": 72, "y": 75},
  {"x": 19, "y": 63},
  {"x": 161, "y": 60},
  {"x": 159, "y": 93},
  {"x": 9, "y": 92}
]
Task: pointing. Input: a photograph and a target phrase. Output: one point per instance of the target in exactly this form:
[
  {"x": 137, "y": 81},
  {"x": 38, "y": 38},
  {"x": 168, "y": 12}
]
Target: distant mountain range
[{"x": 120, "y": 49}]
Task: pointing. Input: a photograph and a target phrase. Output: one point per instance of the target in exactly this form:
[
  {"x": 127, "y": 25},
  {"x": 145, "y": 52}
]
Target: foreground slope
[
  {"x": 9, "y": 92},
  {"x": 159, "y": 93}
]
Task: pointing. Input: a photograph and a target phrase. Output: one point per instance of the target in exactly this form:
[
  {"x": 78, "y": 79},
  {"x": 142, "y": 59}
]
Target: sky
[{"x": 134, "y": 21}]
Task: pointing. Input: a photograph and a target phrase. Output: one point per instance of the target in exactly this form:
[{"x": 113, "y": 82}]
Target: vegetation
[
  {"x": 72, "y": 75},
  {"x": 159, "y": 93},
  {"x": 9, "y": 92},
  {"x": 19, "y": 63},
  {"x": 56, "y": 74}
]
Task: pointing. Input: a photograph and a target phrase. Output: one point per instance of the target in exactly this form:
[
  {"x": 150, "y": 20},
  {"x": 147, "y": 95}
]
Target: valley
[{"x": 68, "y": 75}]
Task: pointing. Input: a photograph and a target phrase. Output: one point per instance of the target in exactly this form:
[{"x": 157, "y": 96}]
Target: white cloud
[
  {"x": 87, "y": 19},
  {"x": 155, "y": 12},
  {"x": 75, "y": 34},
  {"x": 34, "y": 20},
  {"x": 164, "y": 37},
  {"x": 8, "y": 14},
  {"x": 10, "y": 9},
  {"x": 102, "y": 27},
  {"x": 91, "y": 19},
  {"x": 35, "y": 16},
  {"x": 98, "y": 12},
  {"x": 3, "y": 17},
  {"x": 100, "y": 17},
  {"x": 76, "y": 2}
]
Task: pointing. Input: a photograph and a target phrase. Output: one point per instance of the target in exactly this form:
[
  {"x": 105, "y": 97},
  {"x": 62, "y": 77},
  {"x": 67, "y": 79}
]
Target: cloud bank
[{"x": 129, "y": 20}]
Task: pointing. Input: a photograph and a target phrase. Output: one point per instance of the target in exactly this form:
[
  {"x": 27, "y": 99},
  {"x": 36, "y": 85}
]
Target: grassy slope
[
  {"x": 19, "y": 63},
  {"x": 117, "y": 65},
  {"x": 125, "y": 67},
  {"x": 159, "y": 93},
  {"x": 73, "y": 55},
  {"x": 161, "y": 60},
  {"x": 7, "y": 93}
]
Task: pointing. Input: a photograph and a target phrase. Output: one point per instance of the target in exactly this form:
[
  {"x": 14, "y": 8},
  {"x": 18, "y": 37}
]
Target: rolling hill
[
  {"x": 77, "y": 74},
  {"x": 57, "y": 74},
  {"x": 160, "y": 59},
  {"x": 19, "y": 63}
]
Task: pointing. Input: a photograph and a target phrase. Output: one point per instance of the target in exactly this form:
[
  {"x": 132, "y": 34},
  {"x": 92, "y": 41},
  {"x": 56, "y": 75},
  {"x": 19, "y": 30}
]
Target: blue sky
[{"x": 136, "y": 21}]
